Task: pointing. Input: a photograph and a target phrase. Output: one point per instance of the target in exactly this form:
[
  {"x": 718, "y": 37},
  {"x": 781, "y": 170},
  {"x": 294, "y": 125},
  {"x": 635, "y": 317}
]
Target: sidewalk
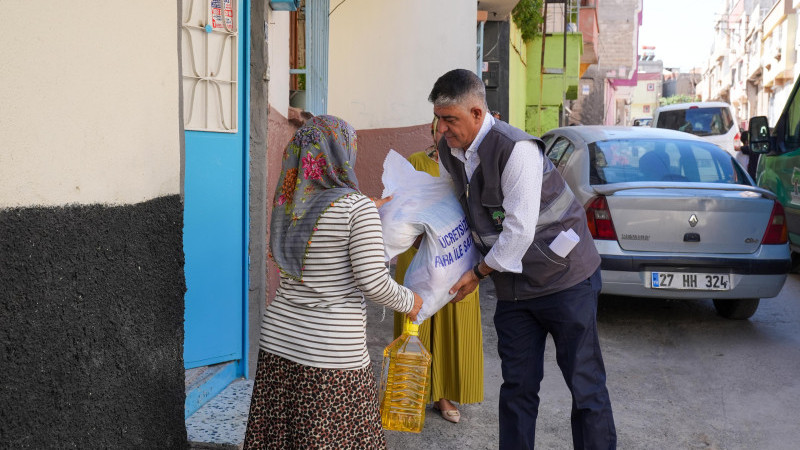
[
  {"x": 478, "y": 426},
  {"x": 220, "y": 423}
]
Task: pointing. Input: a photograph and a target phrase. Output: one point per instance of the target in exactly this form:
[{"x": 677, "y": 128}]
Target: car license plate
[{"x": 694, "y": 281}]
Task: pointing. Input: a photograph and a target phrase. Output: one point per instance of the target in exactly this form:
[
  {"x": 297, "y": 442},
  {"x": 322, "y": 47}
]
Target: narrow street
[
  {"x": 679, "y": 377},
  {"x": 155, "y": 171}
]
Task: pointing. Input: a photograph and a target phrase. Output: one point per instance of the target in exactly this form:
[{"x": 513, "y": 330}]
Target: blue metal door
[{"x": 215, "y": 216}]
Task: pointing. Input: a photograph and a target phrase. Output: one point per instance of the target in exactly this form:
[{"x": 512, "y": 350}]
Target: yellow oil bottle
[{"x": 405, "y": 381}]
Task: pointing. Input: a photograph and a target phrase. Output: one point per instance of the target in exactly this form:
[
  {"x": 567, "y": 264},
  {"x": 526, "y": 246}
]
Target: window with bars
[{"x": 210, "y": 63}]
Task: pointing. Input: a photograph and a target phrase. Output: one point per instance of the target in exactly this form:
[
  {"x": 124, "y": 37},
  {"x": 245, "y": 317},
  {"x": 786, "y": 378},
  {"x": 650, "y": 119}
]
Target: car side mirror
[{"x": 759, "y": 134}]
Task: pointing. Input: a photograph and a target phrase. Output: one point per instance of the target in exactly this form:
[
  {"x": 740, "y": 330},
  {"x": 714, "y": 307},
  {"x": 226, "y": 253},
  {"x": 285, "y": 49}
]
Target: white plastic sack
[{"x": 422, "y": 203}]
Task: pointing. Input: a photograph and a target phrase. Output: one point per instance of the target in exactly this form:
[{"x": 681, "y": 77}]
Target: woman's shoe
[{"x": 450, "y": 415}]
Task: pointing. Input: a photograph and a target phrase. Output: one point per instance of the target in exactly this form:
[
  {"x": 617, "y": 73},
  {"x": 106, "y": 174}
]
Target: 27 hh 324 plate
[{"x": 693, "y": 281}]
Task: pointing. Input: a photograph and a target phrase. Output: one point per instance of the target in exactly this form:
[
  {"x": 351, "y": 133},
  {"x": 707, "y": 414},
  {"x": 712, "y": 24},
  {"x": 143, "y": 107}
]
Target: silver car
[{"x": 674, "y": 216}]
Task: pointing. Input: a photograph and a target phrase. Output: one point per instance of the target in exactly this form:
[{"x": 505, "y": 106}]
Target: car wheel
[
  {"x": 795, "y": 263},
  {"x": 738, "y": 309}
]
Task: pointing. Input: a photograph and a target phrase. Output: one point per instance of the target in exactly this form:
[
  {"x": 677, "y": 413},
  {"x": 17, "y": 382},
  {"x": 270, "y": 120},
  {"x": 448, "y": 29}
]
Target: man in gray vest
[{"x": 517, "y": 204}]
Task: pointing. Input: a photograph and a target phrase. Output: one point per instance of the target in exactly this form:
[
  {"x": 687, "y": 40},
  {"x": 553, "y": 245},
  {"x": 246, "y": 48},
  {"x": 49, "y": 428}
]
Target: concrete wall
[
  {"x": 545, "y": 92},
  {"x": 618, "y": 22},
  {"x": 91, "y": 218},
  {"x": 278, "y": 57},
  {"x": 589, "y": 107},
  {"x": 89, "y": 103},
  {"x": 619, "y": 31},
  {"x": 643, "y": 97},
  {"x": 91, "y": 347},
  {"x": 259, "y": 181},
  {"x": 777, "y": 101},
  {"x": 385, "y": 56},
  {"x": 641, "y": 94},
  {"x": 373, "y": 146},
  {"x": 517, "y": 83}
]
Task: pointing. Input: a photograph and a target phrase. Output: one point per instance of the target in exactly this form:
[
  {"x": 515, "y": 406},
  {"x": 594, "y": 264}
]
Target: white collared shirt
[{"x": 521, "y": 183}]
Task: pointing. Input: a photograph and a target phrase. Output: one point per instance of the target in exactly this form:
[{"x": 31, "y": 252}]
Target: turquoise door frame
[{"x": 216, "y": 224}]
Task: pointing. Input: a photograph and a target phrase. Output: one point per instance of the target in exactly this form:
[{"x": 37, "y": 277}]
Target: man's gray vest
[{"x": 543, "y": 272}]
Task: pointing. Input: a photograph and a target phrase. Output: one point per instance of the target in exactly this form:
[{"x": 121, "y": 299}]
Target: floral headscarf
[{"x": 318, "y": 169}]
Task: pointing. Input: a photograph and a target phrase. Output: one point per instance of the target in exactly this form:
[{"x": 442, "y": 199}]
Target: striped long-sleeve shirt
[{"x": 321, "y": 321}]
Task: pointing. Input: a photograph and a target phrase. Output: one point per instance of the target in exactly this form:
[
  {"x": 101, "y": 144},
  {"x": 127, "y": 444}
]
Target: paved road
[{"x": 680, "y": 377}]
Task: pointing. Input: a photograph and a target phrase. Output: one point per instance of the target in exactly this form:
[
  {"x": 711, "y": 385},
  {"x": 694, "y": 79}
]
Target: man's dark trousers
[{"x": 570, "y": 316}]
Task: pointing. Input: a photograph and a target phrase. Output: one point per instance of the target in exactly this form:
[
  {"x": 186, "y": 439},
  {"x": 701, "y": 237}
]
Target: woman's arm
[{"x": 369, "y": 267}]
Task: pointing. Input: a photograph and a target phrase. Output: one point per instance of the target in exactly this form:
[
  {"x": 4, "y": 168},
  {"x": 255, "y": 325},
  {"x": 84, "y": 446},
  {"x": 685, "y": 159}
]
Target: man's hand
[
  {"x": 464, "y": 286},
  {"x": 415, "y": 309}
]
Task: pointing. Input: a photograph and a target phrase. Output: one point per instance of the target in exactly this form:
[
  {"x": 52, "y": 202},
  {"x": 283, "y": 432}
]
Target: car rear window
[
  {"x": 631, "y": 160},
  {"x": 708, "y": 121}
]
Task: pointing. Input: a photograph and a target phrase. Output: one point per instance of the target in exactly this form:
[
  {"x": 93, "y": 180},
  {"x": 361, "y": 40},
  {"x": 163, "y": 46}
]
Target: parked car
[
  {"x": 642, "y": 122},
  {"x": 674, "y": 216},
  {"x": 713, "y": 121},
  {"x": 779, "y": 164}
]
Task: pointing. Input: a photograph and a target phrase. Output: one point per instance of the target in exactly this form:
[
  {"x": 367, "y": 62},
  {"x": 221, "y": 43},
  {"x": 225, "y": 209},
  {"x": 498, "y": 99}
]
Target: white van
[{"x": 713, "y": 121}]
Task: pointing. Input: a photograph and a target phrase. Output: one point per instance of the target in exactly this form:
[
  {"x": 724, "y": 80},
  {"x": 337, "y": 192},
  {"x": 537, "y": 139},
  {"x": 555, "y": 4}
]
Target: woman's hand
[
  {"x": 381, "y": 201},
  {"x": 415, "y": 309}
]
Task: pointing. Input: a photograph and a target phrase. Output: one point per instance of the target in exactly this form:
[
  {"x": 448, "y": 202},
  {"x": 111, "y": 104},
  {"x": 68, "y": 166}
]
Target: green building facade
[{"x": 539, "y": 86}]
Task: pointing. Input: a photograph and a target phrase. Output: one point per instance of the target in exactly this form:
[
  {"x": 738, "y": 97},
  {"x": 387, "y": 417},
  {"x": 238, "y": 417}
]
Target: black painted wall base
[{"x": 91, "y": 326}]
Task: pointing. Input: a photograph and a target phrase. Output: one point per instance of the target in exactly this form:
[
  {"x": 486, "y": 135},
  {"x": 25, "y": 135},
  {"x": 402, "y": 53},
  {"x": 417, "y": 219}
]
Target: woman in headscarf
[
  {"x": 315, "y": 386},
  {"x": 453, "y": 335}
]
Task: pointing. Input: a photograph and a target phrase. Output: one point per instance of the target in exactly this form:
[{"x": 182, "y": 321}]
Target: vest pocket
[{"x": 541, "y": 266}]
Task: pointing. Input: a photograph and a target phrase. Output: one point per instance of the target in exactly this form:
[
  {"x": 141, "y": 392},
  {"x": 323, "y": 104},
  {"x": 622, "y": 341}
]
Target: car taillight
[
  {"x": 776, "y": 233},
  {"x": 599, "y": 219}
]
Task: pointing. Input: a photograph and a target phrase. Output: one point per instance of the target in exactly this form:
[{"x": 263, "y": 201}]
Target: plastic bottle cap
[{"x": 410, "y": 327}]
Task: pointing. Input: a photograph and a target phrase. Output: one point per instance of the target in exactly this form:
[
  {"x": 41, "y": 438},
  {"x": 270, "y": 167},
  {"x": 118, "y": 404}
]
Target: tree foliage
[
  {"x": 676, "y": 99},
  {"x": 528, "y": 17}
]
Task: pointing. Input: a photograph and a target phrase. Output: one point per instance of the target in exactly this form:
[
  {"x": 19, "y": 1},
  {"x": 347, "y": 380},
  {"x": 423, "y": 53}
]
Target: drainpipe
[{"x": 482, "y": 17}]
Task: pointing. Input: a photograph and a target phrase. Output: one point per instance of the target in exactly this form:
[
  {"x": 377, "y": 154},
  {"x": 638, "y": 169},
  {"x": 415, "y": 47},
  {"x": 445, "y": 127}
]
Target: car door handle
[{"x": 691, "y": 237}]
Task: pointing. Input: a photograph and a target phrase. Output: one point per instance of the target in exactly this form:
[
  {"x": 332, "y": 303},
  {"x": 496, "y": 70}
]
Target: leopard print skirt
[{"x": 301, "y": 407}]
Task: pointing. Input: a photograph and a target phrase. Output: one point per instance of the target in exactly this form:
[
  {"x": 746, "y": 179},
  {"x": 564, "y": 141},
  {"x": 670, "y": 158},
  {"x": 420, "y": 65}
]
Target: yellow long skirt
[{"x": 455, "y": 339}]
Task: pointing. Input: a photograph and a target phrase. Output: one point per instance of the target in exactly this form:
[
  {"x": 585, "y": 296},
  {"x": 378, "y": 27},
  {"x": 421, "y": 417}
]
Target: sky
[{"x": 681, "y": 30}]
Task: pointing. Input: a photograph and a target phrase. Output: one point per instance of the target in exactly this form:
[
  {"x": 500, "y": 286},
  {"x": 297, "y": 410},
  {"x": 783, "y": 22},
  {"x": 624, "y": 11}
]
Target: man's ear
[{"x": 476, "y": 113}]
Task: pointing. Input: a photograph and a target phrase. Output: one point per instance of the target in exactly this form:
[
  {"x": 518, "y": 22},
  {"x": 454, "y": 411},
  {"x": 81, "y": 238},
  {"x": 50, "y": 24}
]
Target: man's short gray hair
[{"x": 457, "y": 87}]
